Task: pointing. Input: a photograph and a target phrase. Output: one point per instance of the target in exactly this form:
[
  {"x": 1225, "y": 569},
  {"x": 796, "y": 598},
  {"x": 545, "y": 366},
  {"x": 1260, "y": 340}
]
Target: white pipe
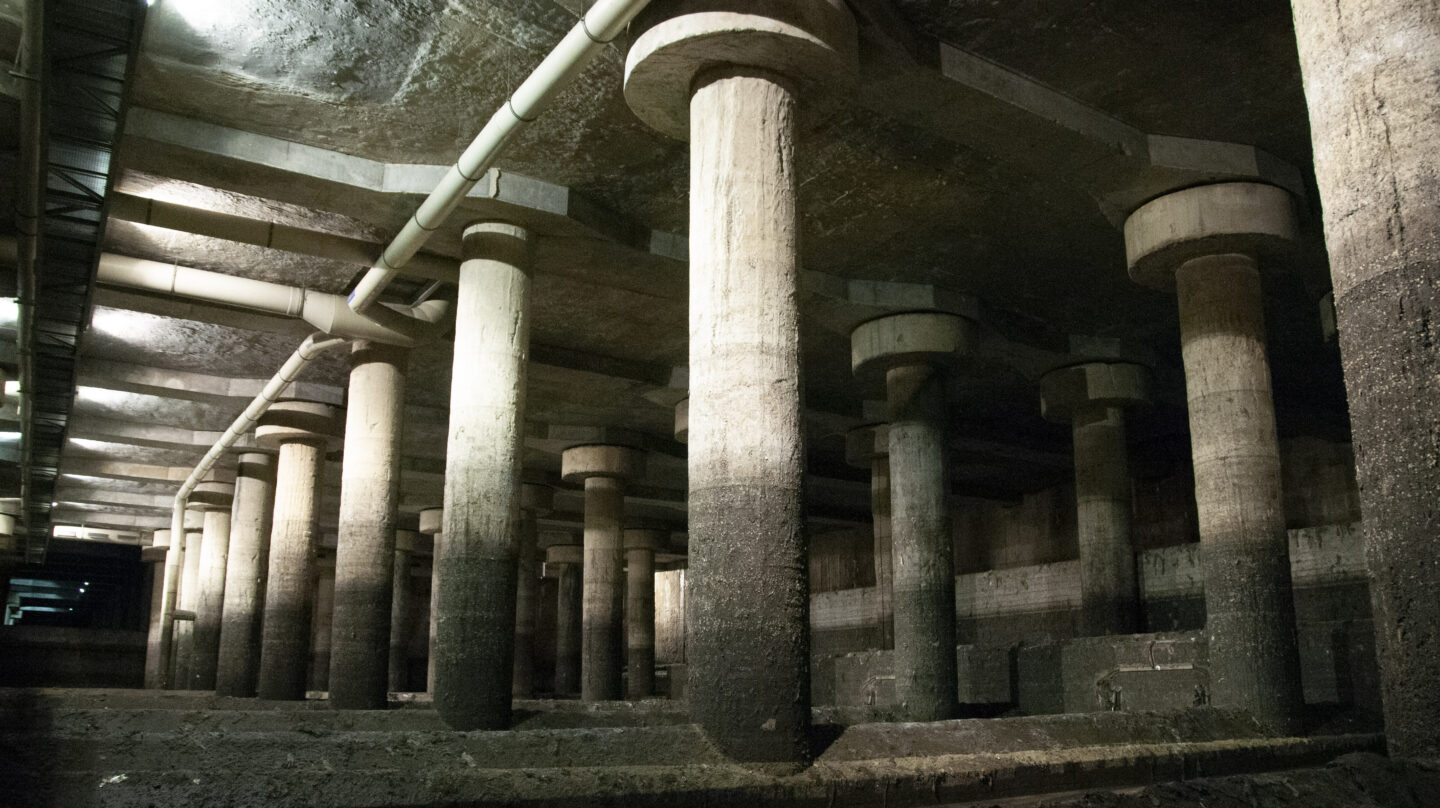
[
  {"x": 392, "y": 324},
  {"x": 605, "y": 20},
  {"x": 312, "y": 347}
]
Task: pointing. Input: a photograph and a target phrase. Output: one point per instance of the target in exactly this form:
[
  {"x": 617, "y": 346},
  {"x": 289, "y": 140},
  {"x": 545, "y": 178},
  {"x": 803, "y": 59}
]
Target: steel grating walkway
[{"x": 90, "y": 48}]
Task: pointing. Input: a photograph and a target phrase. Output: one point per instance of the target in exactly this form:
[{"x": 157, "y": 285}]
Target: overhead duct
[{"x": 391, "y": 323}]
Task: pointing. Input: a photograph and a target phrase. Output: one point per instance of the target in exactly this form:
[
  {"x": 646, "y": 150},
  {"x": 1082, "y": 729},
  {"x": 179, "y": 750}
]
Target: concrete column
[
  {"x": 640, "y": 548},
  {"x": 912, "y": 351},
  {"x": 365, "y": 551},
  {"x": 475, "y": 564},
  {"x": 432, "y": 521},
  {"x": 1369, "y": 71},
  {"x": 728, "y": 77},
  {"x": 183, "y": 666},
  {"x": 155, "y": 555},
  {"x": 869, "y": 447},
  {"x": 401, "y": 593},
  {"x": 1205, "y": 242},
  {"x": 322, "y": 624},
  {"x": 1092, "y": 398},
  {"x": 535, "y": 501},
  {"x": 216, "y": 498},
  {"x": 160, "y": 644},
  {"x": 245, "y": 573},
  {"x": 301, "y": 431},
  {"x": 567, "y": 560},
  {"x": 603, "y": 470}
]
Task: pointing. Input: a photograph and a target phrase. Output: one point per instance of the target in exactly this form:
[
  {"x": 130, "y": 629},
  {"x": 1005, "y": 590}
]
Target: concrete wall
[
  {"x": 32, "y": 656},
  {"x": 1018, "y": 645}
]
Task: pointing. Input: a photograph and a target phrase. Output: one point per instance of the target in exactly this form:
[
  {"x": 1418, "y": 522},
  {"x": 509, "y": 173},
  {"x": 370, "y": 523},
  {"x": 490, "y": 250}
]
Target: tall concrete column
[
  {"x": 155, "y": 555},
  {"x": 246, "y": 569},
  {"x": 160, "y": 644},
  {"x": 322, "y": 623},
  {"x": 1092, "y": 398},
  {"x": 603, "y": 470},
  {"x": 567, "y": 561},
  {"x": 640, "y": 548},
  {"x": 432, "y": 521},
  {"x": 401, "y": 593},
  {"x": 301, "y": 431},
  {"x": 727, "y": 76},
  {"x": 869, "y": 447},
  {"x": 365, "y": 552},
  {"x": 475, "y": 563},
  {"x": 535, "y": 501},
  {"x": 1369, "y": 71},
  {"x": 216, "y": 498},
  {"x": 183, "y": 666},
  {"x": 912, "y": 351},
  {"x": 1204, "y": 242}
]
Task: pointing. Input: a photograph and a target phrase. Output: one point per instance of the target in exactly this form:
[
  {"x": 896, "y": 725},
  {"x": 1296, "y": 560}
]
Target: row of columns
[{"x": 731, "y": 84}]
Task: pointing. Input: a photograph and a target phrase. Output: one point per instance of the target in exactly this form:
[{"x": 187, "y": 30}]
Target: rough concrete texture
[
  {"x": 746, "y": 611},
  {"x": 1369, "y": 80},
  {"x": 402, "y": 592},
  {"x": 1249, "y": 605},
  {"x": 322, "y": 622},
  {"x": 214, "y": 555},
  {"x": 640, "y": 547},
  {"x": 246, "y": 570},
  {"x": 569, "y": 627},
  {"x": 159, "y": 588},
  {"x": 924, "y": 560},
  {"x": 602, "y": 635},
  {"x": 121, "y": 751},
  {"x": 364, "y": 553},
  {"x": 290, "y": 584},
  {"x": 183, "y": 665},
  {"x": 535, "y": 500},
  {"x": 474, "y": 602}
]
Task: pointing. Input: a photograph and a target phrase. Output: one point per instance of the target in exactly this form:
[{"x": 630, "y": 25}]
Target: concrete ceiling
[{"x": 981, "y": 166}]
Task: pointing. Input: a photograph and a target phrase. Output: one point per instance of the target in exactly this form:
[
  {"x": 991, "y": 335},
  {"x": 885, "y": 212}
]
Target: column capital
[
  {"x": 579, "y": 463},
  {"x": 647, "y": 539},
  {"x": 297, "y": 421},
  {"x": 1068, "y": 391},
  {"x": 432, "y": 521},
  {"x": 810, "y": 42},
  {"x": 1229, "y": 217},
  {"x": 911, "y": 338},
  {"x": 565, "y": 554},
  {"x": 497, "y": 241},
  {"x": 364, "y": 351},
  {"x": 212, "y": 496}
]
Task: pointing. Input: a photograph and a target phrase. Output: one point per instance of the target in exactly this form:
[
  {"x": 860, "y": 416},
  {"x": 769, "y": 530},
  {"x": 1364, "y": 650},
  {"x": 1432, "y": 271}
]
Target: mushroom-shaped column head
[
  {"x": 212, "y": 496},
  {"x": 865, "y": 443},
  {"x": 1245, "y": 218},
  {"x": 811, "y": 43},
  {"x": 580, "y": 463},
  {"x": 912, "y": 338},
  {"x": 300, "y": 422},
  {"x": 432, "y": 521},
  {"x": 1068, "y": 391}
]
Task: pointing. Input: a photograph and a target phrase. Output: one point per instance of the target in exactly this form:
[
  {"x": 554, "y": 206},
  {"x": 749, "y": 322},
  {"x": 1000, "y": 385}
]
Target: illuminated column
[
  {"x": 245, "y": 573},
  {"x": 603, "y": 470},
  {"x": 640, "y": 548},
  {"x": 301, "y": 431},
  {"x": 730, "y": 81},
  {"x": 215, "y": 498},
  {"x": 912, "y": 350},
  {"x": 1205, "y": 243},
  {"x": 567, "y": 561},
  {"x": 475, "y": 563},
  {"x": 183, "y": 666},
  {"x": 365, "y": 550}
]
